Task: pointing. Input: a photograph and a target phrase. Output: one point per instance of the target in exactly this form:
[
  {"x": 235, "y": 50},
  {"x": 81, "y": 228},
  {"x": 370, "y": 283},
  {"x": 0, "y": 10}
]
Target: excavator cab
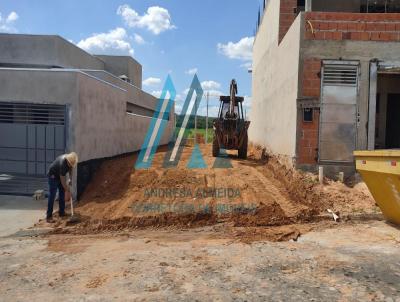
[
  {"x": 224, "y": 112},
  {"x": 230, "y": 128}
]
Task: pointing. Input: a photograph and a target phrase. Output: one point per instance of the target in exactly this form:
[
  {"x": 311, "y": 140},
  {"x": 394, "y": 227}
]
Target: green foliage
[
  {"x": 201, "y": 127},
  {"x": 201, "y": 122},
  {"x": 203, "y": 133}
]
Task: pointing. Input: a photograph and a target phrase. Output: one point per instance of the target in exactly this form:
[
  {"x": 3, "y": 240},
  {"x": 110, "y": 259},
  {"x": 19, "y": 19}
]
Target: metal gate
[
  {"x": 338, "y": 121},
  {"x": 31, "y": 137}
]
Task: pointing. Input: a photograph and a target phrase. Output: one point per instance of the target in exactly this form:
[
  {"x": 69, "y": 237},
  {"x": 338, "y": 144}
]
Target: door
[
  {"x": 392, "y": 122},
  {"x": 32, "y": 136},
  {"x": 338, "y": 120}
]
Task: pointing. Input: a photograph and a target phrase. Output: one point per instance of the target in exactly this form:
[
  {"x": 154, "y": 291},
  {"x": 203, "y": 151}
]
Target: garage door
[{"x": 32, "y": 136}]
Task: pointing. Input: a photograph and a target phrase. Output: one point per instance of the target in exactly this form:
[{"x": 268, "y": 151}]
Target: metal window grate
[
  {"x": 380, "y": 6},
  {"x": 340, "y": 75},
  {"x": 19, "y": 113}
]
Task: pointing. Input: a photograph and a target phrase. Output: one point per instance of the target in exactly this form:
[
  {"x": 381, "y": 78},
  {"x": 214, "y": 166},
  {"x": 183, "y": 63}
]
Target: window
[
  {"x": 308, "y": 115},
  {"x": 380, "y": 6},
  {"x": 301, "y": 6},
  {"x": 301, "y": 3},
  {"x": 132, "y": 108},
  {"x": 342, "y": 75},
  {"x": 378, "y": 103},
  {"x": 25, "y": 113},
  {"x": 226, "y": 107},
  {"x": 357, "y": 6},
  {"x": 125, "y": 78}
]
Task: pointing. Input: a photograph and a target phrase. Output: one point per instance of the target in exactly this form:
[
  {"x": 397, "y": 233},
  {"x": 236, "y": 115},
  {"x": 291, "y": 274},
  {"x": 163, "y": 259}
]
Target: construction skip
[{"x": 381, "y": 172}]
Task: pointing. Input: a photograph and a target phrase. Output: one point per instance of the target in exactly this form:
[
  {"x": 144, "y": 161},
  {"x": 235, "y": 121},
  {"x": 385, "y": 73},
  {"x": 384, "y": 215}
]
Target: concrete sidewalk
[{"x": 19, "y": 212}]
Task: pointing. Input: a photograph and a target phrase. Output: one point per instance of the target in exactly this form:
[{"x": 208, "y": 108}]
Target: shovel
[{"x": 73, "y": 218}]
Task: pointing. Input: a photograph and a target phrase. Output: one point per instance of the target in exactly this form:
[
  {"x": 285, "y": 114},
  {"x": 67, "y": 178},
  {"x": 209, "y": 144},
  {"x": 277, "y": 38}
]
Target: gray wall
[
  {"x": 33, "y": 86},
  {"x": 275, "y": 85},
  {"x": 98, "y": 125},
  {"x": 123, "y": 65},
  {"x": 44, "y": 51},
  {"x": 135, "y": 95},
  {"x": 105, "y": 129}
]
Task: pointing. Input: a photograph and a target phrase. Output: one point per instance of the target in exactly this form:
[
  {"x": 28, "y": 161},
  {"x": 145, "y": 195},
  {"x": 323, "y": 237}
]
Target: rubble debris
[{"x": 335, "y": 217}]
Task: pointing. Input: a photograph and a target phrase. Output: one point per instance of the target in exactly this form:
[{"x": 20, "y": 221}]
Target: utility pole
[
  {"x": 175, "y": 132},
  {"x": 195, "y": 124},
  {"x": 208, "y": 96}
]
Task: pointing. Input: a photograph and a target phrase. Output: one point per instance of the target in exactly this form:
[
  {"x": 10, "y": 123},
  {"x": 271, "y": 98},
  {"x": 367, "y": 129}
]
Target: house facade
[
  {"x": 326, "y": 81},
  {"x": 56, "y": 98}
]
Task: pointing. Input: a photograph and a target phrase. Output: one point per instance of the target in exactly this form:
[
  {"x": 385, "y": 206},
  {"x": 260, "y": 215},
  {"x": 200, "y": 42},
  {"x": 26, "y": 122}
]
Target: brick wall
[
  {"x": 286, "y": 17},
  {"x": 311, "y": 78},
  {"x": 352, "y": 26},
  {"x": 308, "y": 140}
]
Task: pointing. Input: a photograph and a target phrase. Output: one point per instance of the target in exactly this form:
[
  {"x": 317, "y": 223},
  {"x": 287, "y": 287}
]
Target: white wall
[{"x": 275, "y": 84}]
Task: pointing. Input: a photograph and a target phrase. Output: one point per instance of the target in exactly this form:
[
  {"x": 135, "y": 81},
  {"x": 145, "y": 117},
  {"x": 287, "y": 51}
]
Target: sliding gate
[{"x": 31, "y": 137}]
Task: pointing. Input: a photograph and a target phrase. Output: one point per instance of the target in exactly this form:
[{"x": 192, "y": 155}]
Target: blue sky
[{"x": 212, "y": 37}]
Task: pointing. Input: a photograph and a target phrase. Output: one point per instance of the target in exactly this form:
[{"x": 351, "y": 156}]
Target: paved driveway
[{"x": 19, "y": 212}]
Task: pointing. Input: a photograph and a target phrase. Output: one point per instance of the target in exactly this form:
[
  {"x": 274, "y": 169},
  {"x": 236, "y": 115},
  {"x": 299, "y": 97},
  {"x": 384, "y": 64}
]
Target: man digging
[{"x": 58, "y": 181}]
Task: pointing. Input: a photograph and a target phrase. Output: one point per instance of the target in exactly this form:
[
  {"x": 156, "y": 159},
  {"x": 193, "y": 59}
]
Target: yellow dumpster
[{"x": 381, "y": 172}]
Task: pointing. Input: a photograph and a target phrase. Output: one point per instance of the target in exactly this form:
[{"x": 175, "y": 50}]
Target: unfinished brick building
[{"x": 326, "y": 80}]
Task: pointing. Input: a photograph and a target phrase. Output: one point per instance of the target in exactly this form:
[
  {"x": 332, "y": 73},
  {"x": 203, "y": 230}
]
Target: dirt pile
[
  {"x": 266, "y": 215},
  {"x": 305, "y": 188},
  {"x": 260, "y": 191}
]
